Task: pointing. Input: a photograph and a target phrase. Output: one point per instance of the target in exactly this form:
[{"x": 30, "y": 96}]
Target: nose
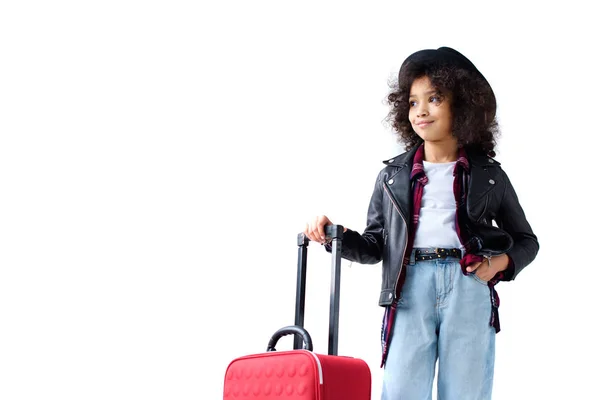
[{"x": 422, "y": 110}]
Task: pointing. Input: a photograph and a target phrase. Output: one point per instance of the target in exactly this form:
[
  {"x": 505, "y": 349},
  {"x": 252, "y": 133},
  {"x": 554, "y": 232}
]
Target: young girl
[{"x": 430, "y": 223}]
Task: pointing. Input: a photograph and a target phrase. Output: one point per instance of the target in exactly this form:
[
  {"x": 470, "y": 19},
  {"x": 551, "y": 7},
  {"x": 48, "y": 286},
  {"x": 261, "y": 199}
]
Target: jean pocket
[{"x": 478, "y": 279}]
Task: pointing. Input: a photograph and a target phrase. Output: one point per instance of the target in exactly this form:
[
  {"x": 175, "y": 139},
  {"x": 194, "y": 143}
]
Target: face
[{"x": 429, "y": 112}]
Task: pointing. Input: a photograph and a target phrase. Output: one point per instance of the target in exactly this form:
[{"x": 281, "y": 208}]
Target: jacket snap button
[
  {"x": 492, "y": 181},
  {"x": 391, "y": 181},
  {"x": 390, "y": 296},
  {"x": 490, "y": 161}
]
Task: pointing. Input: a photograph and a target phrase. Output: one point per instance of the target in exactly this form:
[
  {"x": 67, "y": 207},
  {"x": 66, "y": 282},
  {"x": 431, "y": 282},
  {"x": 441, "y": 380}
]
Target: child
[{"x": 430, "y": 224}]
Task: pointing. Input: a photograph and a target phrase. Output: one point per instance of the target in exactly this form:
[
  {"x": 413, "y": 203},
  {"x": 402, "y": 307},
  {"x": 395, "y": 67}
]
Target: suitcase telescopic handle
[
  {"x": 335, "y": 234},
  {"x": 300, "y": 333}
]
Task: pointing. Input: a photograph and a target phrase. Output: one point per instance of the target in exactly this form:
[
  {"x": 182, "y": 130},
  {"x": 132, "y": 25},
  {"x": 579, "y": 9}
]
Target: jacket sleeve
[
  {"x": 366, "y": 248},
  {"x": 511, "y": 218}
]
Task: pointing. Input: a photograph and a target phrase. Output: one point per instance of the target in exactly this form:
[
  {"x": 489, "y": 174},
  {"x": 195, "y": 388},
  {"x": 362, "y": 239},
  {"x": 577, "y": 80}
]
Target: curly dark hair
[{"x": 473, "y": 105}]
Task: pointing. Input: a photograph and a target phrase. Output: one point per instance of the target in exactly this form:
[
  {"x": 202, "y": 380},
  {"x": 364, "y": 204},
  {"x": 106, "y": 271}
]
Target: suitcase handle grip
[
  {"x": 331, "y": 232},
  {"x": 291, "y": 330}
]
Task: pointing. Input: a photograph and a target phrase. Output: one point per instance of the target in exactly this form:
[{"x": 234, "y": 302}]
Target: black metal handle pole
[
  {"x": 335, "y": 232},
  {"x": 300, "y": 286}
]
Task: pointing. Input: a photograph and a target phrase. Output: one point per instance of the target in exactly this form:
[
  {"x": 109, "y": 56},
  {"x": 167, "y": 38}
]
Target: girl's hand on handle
[{"x": 315, "y": 230}]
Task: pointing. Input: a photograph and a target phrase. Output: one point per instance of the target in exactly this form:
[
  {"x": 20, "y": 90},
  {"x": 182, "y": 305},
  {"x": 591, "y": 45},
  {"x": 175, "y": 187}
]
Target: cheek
[
  {"x": 449, "y": 120},
  {"x": 447, "y": 115},
  {"x": 444, "y": 118}
]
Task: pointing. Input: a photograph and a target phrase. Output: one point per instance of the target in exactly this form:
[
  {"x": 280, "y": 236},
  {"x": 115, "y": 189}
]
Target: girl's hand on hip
[{"x": 487, "y": 269}]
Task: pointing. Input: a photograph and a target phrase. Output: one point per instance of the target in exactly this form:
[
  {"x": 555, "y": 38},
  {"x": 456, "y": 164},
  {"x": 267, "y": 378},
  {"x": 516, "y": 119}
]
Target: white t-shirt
[{"x": 438, "y": 208}]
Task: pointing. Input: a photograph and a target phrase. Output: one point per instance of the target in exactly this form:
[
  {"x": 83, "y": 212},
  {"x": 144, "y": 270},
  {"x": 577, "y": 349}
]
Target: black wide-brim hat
[{"x": 446, "y": 56}]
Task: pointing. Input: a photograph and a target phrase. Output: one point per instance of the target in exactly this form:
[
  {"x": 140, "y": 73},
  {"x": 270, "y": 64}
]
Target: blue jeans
[{"x": 442, "y": 316}]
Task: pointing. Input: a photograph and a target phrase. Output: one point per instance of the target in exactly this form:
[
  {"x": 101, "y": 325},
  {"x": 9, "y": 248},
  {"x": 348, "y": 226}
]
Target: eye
[
  {"x": 412, "y": 103},
  {"x": 436, "y": 99}
]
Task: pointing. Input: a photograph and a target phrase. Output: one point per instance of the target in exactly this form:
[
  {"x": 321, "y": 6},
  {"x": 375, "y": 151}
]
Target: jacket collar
[
  {"x": 406, "y": 159},
  {"x": 482, "y": 161},
  {"x": 480, "y": 182},
  {"x": 403, "y": 160}
]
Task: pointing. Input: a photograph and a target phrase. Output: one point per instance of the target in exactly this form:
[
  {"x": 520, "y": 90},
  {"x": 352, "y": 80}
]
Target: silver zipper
[
  {"x": 405, "y": 242},
  {"x": 488, "y": 257}
]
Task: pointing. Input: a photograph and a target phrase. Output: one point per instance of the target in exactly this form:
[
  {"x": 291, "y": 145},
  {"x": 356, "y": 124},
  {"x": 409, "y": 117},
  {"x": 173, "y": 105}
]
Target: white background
[{"x": 158, "y": 158}]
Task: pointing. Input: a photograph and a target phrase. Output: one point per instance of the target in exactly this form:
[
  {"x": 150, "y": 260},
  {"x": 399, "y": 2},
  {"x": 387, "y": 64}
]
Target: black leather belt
[{"x": 436, "y": 253}]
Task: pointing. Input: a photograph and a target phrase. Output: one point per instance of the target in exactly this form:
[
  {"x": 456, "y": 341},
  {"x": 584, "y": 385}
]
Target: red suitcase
[{"x": 301, "y": 374}]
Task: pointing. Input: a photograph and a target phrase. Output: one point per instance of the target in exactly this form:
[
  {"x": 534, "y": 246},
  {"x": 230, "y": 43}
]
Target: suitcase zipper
[
  {"x": 318, "y": 366},
  {"x": 406, "y": 237}
]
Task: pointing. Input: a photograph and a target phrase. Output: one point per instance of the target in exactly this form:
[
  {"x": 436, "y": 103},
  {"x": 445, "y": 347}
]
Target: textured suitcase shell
[{"x": 297, "y": 375}]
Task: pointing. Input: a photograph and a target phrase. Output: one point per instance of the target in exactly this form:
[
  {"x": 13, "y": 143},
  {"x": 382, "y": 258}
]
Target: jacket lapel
[
  {"x": 480, "y": 183},
  {"x": 399, "y": 184}
]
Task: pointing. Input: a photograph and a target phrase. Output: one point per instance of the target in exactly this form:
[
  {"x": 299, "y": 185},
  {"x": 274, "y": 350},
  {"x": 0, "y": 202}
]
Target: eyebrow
[{"x": 426, "y": 93}]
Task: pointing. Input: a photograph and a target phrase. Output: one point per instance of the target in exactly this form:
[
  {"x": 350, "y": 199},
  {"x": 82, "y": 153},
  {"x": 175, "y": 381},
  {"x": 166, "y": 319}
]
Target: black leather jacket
[{"x": 490, "y": 197}]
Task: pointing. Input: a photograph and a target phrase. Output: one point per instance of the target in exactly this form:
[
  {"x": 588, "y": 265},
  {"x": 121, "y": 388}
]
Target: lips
[{"x": 423, "y": 124}]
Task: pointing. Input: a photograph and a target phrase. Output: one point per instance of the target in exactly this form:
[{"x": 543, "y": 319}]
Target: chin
[{"x": 428, "y": 137}]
